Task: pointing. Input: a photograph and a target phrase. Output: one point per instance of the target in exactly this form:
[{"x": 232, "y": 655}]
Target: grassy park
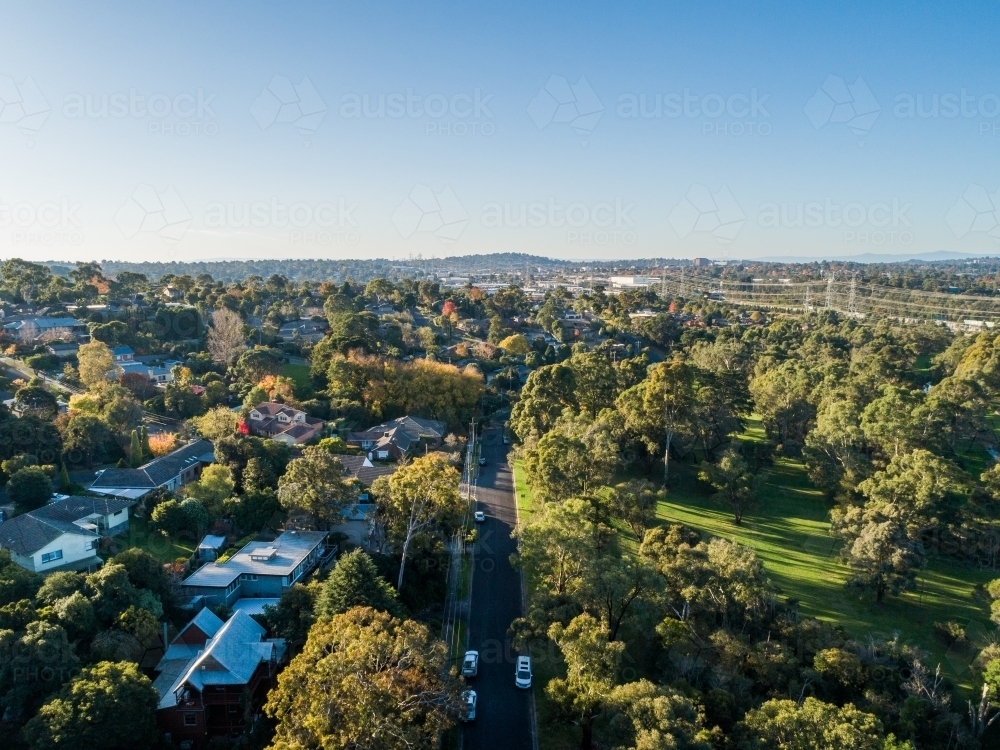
[{"x": 789, "y": 530}]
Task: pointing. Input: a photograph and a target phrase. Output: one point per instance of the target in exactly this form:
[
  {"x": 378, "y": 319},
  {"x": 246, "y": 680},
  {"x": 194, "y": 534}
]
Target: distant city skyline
[{"x": 652, "y": 130}]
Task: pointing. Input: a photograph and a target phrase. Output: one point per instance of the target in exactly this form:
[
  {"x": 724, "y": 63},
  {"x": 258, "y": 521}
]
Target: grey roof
[
  {"x": 43, "y": 323},
  {"x": 230, "y": 657},
  {"x": 157, "y": 472},
  {"x": 254, "y": 605},
  {"x": 212, "y": 541},
  {"x": 360, "y": 468},
  {"x": 74, "y": 508},
  {"x": 122, "y": 350},
  {"x": 26, "y": 534},
  {"x": 291, "y": 548},
  {"x": 403, "y": 431}
]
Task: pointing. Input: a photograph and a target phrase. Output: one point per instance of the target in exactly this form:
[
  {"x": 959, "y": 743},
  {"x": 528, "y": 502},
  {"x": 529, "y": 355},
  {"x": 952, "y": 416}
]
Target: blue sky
[{"x": 767, "y": 130}]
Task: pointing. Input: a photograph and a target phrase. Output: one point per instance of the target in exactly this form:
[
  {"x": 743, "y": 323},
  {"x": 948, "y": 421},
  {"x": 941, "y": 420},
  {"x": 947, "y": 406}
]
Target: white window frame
[{"x": 48, "y": 557}]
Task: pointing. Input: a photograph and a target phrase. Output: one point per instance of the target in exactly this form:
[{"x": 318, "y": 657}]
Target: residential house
[
  {"x": 302, "y": 330},
  {"x": 283, "y": 423},
  {"x": 65, "y": 534},
  {"x": 172, "y": 293},
  {"x": 63, "y": 349},
  {"x": 398, "y": 437},
  {"x": 157, "y": 373},
  {"x": 34, "y": 328},
  {"x": 356, "y": 521},
  {"x": 214, "y": 678},
  {"x": 122, "y": 354},
  {"x": 171, "y": 472},
  {"x": 380, "y": 309},
  {"x": 261, "y": 569}
]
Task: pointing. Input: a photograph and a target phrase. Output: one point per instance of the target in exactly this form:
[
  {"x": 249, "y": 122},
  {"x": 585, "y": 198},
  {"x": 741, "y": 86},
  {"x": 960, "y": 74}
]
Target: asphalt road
[{"x": 503, "y": 720}]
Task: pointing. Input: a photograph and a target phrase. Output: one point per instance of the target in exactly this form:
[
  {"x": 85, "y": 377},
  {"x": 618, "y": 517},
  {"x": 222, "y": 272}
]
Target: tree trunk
[
  {"x": 402, "y": 563},
  {"x": 587, "y": 739},
  {"x": 666, "y": 457}
]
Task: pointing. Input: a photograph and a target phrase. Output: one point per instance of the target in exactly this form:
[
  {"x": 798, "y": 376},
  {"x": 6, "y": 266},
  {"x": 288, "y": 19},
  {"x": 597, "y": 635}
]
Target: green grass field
[
  {"x": 299, "y": 374},
  {"x": 790, "y": 531}
]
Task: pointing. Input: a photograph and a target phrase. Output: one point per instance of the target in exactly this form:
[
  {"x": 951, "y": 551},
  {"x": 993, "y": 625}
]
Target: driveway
[{"x": 503, "y": 720}]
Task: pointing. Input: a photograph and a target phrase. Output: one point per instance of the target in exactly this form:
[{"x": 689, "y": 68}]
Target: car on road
[
  {"x": 470, "y": 664},
  {"x": 469, "y": 705},
  {"x": 480, "y": 516},
  {"x": 522, "y": 674},
  {"x": 482, "y": 460}
]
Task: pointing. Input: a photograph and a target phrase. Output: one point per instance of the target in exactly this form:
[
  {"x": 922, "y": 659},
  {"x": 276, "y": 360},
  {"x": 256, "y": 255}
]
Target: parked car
[
  {"x": 482, "y": 460},
  {"x": 470, "y": 664},
  {"x": 480, "y": 516},
  {"x": 469, "y": 701},
  {"x": 522, "y": 674}
]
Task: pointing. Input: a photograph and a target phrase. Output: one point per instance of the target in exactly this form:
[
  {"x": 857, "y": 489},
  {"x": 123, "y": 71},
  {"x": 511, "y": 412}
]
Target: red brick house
[{"x": 215, "y": 677}]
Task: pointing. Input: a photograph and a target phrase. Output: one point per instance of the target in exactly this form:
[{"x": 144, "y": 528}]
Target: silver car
[{"x": 470, "y": 664}]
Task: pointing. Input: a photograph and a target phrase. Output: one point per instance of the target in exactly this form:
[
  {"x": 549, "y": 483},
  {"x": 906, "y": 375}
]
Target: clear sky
[{"x": 607, "y": 130}]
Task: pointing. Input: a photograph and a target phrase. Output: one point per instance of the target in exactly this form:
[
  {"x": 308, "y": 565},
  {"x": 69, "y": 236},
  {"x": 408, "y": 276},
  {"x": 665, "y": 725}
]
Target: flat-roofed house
[{"x": 263, "y": 569}]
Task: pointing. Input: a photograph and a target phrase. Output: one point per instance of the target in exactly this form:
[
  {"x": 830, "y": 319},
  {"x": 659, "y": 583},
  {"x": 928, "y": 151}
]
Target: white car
[
  {"x": 469, "y": 705},
  {"x": 470, "y": 664},
  {"x": 522, "y": 674},
  {"x": 480, "y": 516}
]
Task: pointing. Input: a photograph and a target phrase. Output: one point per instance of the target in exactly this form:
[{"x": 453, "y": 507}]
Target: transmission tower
[
  {"x": 806, "y": 305},
  {"x": 683, "y": 290},
  {"x": 851, "y": 305},
  {"x": 829, "y": 289}
]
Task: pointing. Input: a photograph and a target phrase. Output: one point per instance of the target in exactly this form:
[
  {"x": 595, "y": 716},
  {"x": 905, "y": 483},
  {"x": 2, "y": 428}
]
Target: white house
[{"x": 65, "y": 534}]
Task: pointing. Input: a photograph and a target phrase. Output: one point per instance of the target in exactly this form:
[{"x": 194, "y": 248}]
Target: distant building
[
  {"x": 631, "y": 282},
  {"x": 214, "y": 678},
  {"x": 65, "y": 534},
  {"x": 398, "y": 437},
  {"x": 261, "y": 568},
  {"x": 302, "y": 330},
  {"x": 171, "y": 472},
  {"x": 33, "y": 329},
  {"x": 701, "y": 262},
  {"x": 283, "y": 423},
  {"x": 63, "y": 349},
  {"x": 122, "y": 354}
]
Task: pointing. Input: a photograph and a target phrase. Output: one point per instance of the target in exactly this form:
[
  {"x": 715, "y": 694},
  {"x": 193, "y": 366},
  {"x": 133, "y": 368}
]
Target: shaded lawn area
[
  {"x": 299, "y": 374},
  {"x": 790, "y": 532},
  {"x": 163, "y": 549}
]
